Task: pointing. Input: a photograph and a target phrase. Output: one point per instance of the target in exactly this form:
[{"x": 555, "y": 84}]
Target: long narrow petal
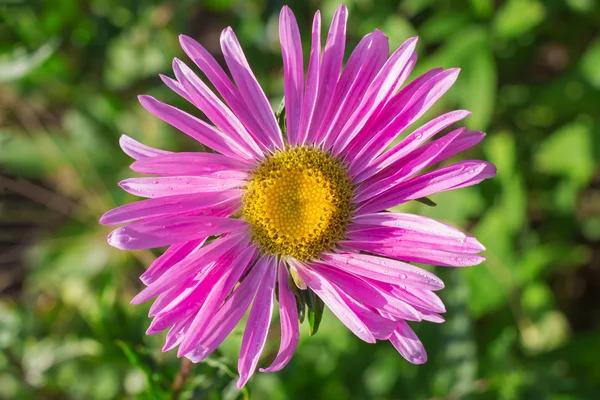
[
  {"x": 137, "y": 150},
  {"x": 177, "y": 333},
  {"x": 197, "y": 129},
  {"x": 312, "y": 80},
  {"x": 379, "y": 326},
  {"x": 392, "y": 111},
  {"x": 414, "y": 253},
  {"x": 362, "y": 66},
  {"x": 411, "y": 143},
  {"x": 408, "y": 344},
  {"x": 397, "y": 174},
  {"x": 181, "y": 306},
  {"x": 230, "y": 275},
  {"x": 259, "y": 320},
  {"x": 422, "y": 97},
  {"x": 378, "y": 92},
  {"x": 384, "y": 270},
  {"x": 293, "y": 72},
  {"x": 230, "y": 313},
  {"x": 454, "y": 176},
  {"x": 329, "y": 71},
  {"x": 181, "y": 271},
  {"x": 330, "y": 296},
  {"x": 196, "y": 163},
  {"x": 410, "y": 222},
  {"x": 217, "y": 76},
  {"x": 203, "y": 98},
  {"x": 251, "y": 92},
  {"x": 173, "y": 185},
  {"x": 288, "y": 315},
  {"x": 166, "y": 299},
  {"x": 175, "y": 86},
  {"x": 167, "y": 231},
  {"x": 429, "y": 154},
  {"x": 411, "y": 238},
  {"x": 369, "y": 294},
  {"x": 172, "y": 256},
  {"x": 169, "y": 206}
]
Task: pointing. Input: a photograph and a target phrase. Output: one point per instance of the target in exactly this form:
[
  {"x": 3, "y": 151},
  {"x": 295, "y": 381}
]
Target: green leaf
[
  {"x": 280, "y": 115},
  {"x": 315, "y": 311},
  {"x": 427, "y": 201},
  {"x": 143, "y": 366}
]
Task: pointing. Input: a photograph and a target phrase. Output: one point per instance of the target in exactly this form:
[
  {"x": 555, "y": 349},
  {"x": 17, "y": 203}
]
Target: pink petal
[
  {"x": 422, "y": 96},
  {"x": 363, "y": 65},
  {"x": 202, "y": 97},
  {"x": 169, "y": 206},
  {"x": 379, "y": 326},
  {"x": 197, "y": 129},
  {"x": 331, "y": 297},
  {"x": 312, "y": 80},
  {"x": 329, "y": 71},
  {"x": 410, "y": 228},
  {"x": 181, "y": 306},
  {"x": 397, "y": 174},
  {"x": 137, "y": 150},
  {"x": 220, "y": 290},
  {"x": 176, "y": 334},
  {"x": 172, "y": 256},
  {"x": 431, "y": 316},
  {"x": 409, "y": 237},
  {"x": 166, "y": 299},
  {"x": 250, "y": 90},
  {"x": 378, "y": 92},
  {"x": 259, "y": 320},
  {"x": 369, "y": 294},
  {"x": 180, "y": 272},
  {"x": 293, "y": 72},
  {"x": 465, "y": 173},
  {"x": 167, "y": 231},
  {"x": 230, "y": 313},
  {"x": 288, "y": 315},
  {"x": 393, "y": 109},
  {"x": 410, "y": 222},
  {"x": 384, "y": 270},
  {"x": 414, "y": 253},
  {"x": 217, "y": 76},
  {"x": 423, "y": 299},
  {"x": 197, "y": 163},
  {"x": 412, "y": 142},
  {"x": 408, "y": 344},
  {"x": 174, "y": 185},
  {"x": 176, "y": 87}
]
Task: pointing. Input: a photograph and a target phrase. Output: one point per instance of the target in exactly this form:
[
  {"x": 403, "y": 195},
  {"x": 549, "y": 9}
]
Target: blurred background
[{"x": 524, "y": 324}]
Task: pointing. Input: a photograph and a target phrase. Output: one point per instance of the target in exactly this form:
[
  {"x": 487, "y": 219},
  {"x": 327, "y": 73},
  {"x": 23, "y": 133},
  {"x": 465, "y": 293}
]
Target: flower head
[{"x": 300, "y": 212}]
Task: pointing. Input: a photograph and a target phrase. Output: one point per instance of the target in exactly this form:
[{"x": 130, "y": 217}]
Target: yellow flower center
[{"x": 298, "y": 203}]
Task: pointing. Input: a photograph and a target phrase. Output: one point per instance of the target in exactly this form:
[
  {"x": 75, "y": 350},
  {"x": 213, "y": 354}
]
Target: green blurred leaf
[
  {"x": 20, "y": 63},
  {"x": 517, "y": 17},
  {"x": 568, "y": 152},
  {"x": 478, "y": 84},
  {"x": 589, "y": 64}
]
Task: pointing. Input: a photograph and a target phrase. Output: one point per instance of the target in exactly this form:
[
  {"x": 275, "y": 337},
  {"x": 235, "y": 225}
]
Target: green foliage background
[{"x": 522, "y": 325}]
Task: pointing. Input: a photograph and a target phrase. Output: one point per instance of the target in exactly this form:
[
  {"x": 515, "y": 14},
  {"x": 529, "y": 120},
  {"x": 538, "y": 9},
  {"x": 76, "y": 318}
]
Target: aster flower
[{"x": 300, "y": 215}]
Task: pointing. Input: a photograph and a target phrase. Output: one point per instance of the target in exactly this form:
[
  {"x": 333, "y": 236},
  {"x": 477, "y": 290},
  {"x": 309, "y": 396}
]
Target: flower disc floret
[{"x": 298, "y": 203}]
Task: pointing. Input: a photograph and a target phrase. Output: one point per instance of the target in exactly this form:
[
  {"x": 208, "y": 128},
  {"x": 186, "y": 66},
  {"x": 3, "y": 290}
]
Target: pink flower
[{"x": 309, "y": 202}]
